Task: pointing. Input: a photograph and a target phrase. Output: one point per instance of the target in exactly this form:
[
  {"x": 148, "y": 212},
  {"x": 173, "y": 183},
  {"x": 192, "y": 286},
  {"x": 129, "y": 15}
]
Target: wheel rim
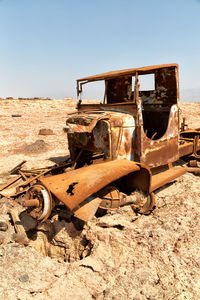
[{"x": 38, "y": 201}]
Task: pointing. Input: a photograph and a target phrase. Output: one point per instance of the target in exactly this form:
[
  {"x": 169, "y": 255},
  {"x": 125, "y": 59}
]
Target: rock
[
  {"x": 24, "y": 278},
  {"x": 27, "y": 221},
  {"x": 16, "y": 116},
  {"x": 45, "y": 131},
  {"x": 3, "y": 226}
]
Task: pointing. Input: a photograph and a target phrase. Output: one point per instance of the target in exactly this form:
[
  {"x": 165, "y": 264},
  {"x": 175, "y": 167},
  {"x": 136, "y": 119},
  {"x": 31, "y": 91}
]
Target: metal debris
[
  {"x": 20, "y": 235},
  {"x": 121, "y": 150}
]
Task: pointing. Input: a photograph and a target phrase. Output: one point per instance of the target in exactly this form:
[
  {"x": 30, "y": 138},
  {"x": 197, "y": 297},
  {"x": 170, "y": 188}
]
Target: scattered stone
[
  {"x": 45, "y": 131},
  {"x": 16, "y": 116},
  {"x": 3, "y": 226},
  {"x": 27, "y": 221},
  {"x": 24, "y": 278},
  {"x": 1, "y": 240}
]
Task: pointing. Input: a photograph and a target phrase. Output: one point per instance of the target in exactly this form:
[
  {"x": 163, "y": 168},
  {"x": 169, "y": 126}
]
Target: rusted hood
[
  {"x": 74, "y": 187},
  {"x": 85, "y": 122}
]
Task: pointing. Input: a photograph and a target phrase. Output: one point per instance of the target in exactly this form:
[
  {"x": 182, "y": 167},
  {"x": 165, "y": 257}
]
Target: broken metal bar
[
  {"x": 193, "y": 170},
  {"x": 11, "y": 181},
  {"x": 23, "y": 175},
  {"x": 33, "y": 178},
  {"x": 77, "y": 158},
  {"x": 18, "y": 167}
]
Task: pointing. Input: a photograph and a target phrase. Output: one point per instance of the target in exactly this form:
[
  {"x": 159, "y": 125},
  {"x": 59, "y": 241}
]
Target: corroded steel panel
[
  {"x": 155, "y": 152},
  {"x": 163, "y": 178},
  {"x": 105, "y": 131},
  {"x": 118, "y": 107},
  {"x": 74, "y": 187}
]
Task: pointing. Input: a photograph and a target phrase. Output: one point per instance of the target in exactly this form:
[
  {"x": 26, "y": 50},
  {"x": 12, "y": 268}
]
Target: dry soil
[{"x": 117, "y": 256}]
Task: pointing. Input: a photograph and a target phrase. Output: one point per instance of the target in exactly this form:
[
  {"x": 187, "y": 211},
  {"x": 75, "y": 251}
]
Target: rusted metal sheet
[
  {"x": 74, "y": 127},
  {"x": 74, "y": 187},
  {"x": 87, "y": 211},
  {"x": 126, "y": 72}
]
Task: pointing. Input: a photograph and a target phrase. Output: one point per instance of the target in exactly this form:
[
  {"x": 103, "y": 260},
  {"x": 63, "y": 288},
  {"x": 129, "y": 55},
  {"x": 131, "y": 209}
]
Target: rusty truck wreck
[{"x": 121, "y": 149}]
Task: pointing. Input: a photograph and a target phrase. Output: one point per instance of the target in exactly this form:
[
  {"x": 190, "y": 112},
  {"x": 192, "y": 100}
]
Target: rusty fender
[
  {"x": 75, "y": 188},
  {"x": 165, "y": 177}
]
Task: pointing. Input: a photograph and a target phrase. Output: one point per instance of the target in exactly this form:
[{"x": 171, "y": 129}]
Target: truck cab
[{"x": 130, "y": 122}]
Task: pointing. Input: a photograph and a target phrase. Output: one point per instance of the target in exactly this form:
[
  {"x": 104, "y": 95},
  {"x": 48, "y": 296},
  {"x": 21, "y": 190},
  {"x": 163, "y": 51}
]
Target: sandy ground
[
  {"x": 18, "y": 134},
  {"x": 117, "y": 256}
]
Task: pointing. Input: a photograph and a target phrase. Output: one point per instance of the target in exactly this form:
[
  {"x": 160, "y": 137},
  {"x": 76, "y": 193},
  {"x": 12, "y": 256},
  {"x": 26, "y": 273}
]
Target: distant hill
[{"x": 190, "y": 95}]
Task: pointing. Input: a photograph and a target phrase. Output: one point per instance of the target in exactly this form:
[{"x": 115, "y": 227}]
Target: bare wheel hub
[
  {"x": 38, "y": 201},
  {"x": 142, "y": 202}
]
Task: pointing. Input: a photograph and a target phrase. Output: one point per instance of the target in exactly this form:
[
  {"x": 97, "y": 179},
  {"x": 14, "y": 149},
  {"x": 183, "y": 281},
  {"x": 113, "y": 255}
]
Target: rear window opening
[{"x": 147, "y": 82}]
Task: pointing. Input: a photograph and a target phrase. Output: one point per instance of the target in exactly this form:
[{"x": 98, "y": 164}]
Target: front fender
[{"x": 77, "y": 186}]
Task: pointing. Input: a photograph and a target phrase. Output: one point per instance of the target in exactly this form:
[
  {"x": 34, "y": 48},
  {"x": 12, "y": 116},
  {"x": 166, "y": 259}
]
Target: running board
[{"x": 165, "y": 177}]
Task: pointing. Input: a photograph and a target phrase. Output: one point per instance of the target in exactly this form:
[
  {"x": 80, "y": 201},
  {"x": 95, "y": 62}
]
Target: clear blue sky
[{"x": 45, "y": 45}]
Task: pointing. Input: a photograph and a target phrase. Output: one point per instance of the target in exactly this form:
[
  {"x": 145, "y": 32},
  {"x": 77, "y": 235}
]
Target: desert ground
[{"x": 121, "y": 255}]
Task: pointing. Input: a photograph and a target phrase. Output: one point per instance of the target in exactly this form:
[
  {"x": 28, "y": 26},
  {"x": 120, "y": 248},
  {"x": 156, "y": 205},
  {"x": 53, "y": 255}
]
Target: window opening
[
  {"x": 93, "y": 91},
  {"x": 147, "y": 82}
]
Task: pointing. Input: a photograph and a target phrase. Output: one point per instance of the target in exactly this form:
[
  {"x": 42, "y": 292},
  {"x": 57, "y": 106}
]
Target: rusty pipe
[{"x": 193, "y": 170}]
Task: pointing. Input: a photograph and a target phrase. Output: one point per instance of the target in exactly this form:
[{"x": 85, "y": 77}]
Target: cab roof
[{"x": 126, "y": 72}]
